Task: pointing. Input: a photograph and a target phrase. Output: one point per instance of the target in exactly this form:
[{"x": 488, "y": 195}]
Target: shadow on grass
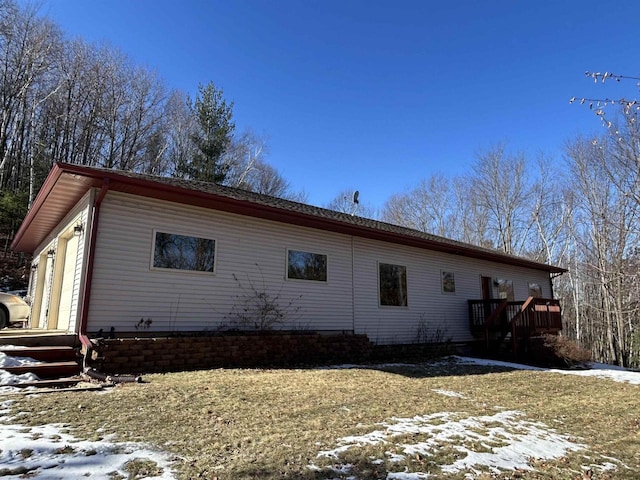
[{"x": 436, "y": 368}]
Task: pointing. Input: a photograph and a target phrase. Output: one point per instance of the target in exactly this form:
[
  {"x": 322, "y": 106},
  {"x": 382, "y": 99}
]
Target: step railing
[{"x": 523, "y": 319}]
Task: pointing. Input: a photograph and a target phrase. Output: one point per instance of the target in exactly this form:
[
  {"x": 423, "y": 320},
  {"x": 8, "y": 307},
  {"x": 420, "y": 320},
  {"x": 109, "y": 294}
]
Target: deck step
[
  {"x": 51, "y": 383},
  {"x": 48, "y": 370},
  {"x": 44, "y": 354}
]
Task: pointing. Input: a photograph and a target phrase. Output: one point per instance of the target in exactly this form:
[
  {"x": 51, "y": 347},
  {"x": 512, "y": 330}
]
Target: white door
[
  {"x": 46, "y": 293},
  {"x": 68, "y": 280}
]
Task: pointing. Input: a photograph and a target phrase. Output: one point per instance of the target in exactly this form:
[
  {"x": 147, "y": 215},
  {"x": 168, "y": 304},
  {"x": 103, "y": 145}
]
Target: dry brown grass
[{"x": 271, "y": 424}]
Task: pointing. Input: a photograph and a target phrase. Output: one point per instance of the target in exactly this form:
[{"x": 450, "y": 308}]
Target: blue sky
[{"x": 377, "y": 95}]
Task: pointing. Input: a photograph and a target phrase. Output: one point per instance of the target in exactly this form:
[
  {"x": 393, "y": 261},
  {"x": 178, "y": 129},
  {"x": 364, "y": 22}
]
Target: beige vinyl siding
[
  {"x": 445, "y": 315},
  {"x": 126, "y": 289}
]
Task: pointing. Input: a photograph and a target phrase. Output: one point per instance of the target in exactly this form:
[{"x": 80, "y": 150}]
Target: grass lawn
[{"x": 364, "y": 423}]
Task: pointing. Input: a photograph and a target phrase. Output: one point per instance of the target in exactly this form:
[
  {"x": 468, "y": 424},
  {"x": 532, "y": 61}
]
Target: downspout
[
  {"x": 353, "y": 288},
  {"x": 86, "y": 292}
]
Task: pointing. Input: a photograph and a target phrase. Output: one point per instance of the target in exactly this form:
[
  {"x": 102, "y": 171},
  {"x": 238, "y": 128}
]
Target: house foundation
[{"x": 171, "y": 354}]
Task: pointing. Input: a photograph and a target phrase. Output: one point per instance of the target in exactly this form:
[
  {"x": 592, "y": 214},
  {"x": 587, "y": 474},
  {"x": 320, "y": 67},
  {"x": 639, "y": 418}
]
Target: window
[
  {"x": 306, "y": 266},
  {"x": 448, "y": 282},
  {"x": 393, "y": 285},
  {"x": 535, "y": 290},
  {"x": 505, "y": 289},
  {"x": 181, "y": 252}
]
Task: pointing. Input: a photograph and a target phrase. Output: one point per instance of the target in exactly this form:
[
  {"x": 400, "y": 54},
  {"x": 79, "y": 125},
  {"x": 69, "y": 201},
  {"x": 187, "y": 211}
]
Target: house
[{"x": 124, "y": 254}]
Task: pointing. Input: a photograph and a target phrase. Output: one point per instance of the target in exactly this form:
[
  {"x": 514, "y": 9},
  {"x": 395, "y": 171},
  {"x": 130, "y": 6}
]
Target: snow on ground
[
  {"x": 448, "y": 393},
  {"x": 7, "y": 380},
  {"x": 508, "y": 440},
  {"x": 598, "y": 370},
  {"x": 47, "y": 452},
  {"x": 9, "y": 361}
]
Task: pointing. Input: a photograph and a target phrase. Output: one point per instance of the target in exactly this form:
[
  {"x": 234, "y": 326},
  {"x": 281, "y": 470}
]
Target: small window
[
  {"x": 448, "y": 282},
  {"x": 393, "y": 285},
  {"x": 182, "y": 252},
  {"x": 535, "y": 290},
  {"x": 505, "y": 289},
  {"x": 306, "y": 266}
]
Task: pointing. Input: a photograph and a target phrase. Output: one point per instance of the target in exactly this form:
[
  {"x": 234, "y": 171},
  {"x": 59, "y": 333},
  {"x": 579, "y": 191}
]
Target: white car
[{"x": 13, "y": 309}]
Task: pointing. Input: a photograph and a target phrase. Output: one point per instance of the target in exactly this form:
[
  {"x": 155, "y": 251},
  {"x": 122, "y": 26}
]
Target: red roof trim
[
  {"x": 179, "y": 194},
  {"x": 42, "y": 196}
]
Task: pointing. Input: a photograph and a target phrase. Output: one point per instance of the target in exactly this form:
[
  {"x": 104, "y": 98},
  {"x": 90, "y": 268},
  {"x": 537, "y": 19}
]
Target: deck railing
[
  {"x": 492, "y": 313},
  {"x": 522, "y": 319}
]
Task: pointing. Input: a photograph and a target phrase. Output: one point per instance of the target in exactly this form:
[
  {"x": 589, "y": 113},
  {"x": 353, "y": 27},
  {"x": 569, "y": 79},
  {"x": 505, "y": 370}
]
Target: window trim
[
  {"x": 453, "y": 276},
  {"x": 529, "y": 284},
  {"x": 180, "y": 270},
  {"x": 506, "y": 281},
  {"x": 406, "y": 274},
  {"x": 305, "y": 280}
]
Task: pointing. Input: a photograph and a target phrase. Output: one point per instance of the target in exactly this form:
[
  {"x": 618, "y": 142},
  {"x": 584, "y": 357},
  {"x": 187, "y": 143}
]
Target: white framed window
[
  {"x": 448, "y": 281},
  {"x": 303, "y": 265},
  {"x": 174, "y": 251},
  {"x": 505, "y": 289},
  {"x": 392, "y": 285},
  {"x": 535, "y": 290}
]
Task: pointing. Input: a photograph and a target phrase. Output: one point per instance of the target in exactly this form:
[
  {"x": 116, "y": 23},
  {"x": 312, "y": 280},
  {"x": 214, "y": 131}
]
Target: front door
[
  {"x": 487, "y": 288},
  {"x": 46, "y": 290}
]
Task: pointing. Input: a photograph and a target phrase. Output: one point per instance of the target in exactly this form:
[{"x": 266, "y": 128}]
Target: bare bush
[{"x": 257, "y": 308}]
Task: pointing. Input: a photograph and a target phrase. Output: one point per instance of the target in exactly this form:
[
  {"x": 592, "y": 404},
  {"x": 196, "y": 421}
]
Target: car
[{"x": 13, "y": 309}]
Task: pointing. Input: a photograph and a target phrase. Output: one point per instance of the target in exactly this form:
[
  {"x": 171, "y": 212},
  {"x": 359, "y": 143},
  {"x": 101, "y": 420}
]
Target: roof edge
[
  {"x": 44, "y": 192},
  {"x": 276, "y": 213}
]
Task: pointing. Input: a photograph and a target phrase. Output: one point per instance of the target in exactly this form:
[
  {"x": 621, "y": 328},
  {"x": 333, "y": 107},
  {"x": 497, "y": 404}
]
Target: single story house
[{"x": 129, "y": 254}]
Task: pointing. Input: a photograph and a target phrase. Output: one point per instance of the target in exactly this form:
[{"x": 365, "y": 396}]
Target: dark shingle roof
[
  {"x": 67, "y": 183},
  {"x": 323, "y": 213}
]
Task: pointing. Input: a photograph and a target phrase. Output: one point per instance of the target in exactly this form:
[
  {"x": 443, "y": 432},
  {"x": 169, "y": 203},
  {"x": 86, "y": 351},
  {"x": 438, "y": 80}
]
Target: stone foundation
[{"x": 171, "y": 354}]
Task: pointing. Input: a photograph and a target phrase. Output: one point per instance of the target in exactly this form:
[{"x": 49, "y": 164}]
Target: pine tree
[{"x": 212, "y": 137}]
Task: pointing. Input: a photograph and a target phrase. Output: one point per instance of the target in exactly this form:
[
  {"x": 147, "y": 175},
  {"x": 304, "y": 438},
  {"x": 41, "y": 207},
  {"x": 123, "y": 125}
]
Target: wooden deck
[{"x": 497, "y": 321}]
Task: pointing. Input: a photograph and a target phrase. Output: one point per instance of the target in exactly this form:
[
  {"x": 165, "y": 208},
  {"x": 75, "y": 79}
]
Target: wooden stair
[{"x": 56, "y": 364}]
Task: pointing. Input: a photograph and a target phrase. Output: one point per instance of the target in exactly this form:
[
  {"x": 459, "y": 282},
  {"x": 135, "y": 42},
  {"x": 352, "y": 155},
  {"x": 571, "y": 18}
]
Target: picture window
[
  {"x": 306, "y": 266},
  {"x": 183, "y": 252},
  {"x": 393, "y": 285}
]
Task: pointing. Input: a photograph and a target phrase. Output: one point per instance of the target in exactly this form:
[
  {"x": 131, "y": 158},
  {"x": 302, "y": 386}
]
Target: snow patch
[
  {"x": 46, "y": 452},
  {"x": 508, "y": 441},
  {"x": 597, "y": 370},
  {"x": 9, "y": 361},
  {"x": 448, "y": 393}
]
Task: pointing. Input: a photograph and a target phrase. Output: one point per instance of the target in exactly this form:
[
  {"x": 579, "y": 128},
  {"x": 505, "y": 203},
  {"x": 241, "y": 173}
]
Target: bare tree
[
  {"x": 248, "y": 169},
  {"x": 606, "y": 235},
  {"x": 500, "y": 185},
  {"x": 429, "y": 207},
  {"x": 350, "y": 201}
]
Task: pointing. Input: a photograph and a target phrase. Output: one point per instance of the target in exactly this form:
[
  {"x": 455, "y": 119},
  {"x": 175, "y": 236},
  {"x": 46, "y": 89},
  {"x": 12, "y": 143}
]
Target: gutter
[
  {"x": 86, "y": 291},
  {"x": 37, "y": 204}
]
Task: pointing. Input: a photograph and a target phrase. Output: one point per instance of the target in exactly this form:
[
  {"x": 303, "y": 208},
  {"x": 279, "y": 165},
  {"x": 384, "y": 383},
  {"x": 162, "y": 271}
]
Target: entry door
[
  {"x": 487, "y": 288},
  {"x": 487, "y": 294},
  {"x": 46, "y": 292},
  {"x": 68, "y": 280}
]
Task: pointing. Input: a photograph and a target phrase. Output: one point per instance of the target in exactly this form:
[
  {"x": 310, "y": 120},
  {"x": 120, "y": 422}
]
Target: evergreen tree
[{"x": 212, "y": 136}]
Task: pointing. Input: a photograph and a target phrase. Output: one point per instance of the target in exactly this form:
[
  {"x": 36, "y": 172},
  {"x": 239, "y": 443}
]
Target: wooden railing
[
  {"x": 537, "y": 315},
  {"x": 522, "y": 319},
  {"x": 494, "y": 313}
]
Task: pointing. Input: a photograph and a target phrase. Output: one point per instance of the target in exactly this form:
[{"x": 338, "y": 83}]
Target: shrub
[{"x": 557, "y": 351}]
